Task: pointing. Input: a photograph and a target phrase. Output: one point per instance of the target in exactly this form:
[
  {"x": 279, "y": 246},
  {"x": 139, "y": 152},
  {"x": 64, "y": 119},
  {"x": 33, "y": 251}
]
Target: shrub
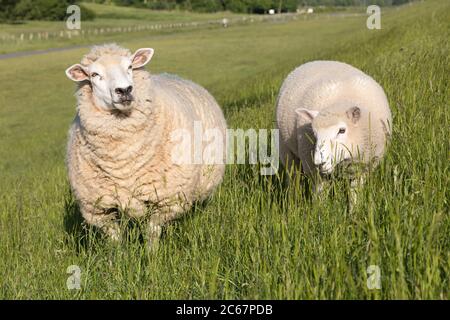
[
  {"x": 206, "y": 5},
  {"x": 86, "y": 13},
  {"x": 41, "y": 10},
  {"x": 12, "y": 10}
]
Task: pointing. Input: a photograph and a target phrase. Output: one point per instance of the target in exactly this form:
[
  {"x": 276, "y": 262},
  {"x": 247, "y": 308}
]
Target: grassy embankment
[{"x": 252, "y": 240}]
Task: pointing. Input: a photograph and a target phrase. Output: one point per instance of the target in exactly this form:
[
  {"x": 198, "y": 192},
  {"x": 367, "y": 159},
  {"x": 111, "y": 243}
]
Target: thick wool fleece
[
  {"x": 125, "y": 161},
  {"x": 330, "y": 87}
]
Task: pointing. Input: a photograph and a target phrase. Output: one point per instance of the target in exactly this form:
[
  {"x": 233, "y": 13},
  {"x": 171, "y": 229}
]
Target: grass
[
  {"x": 54, "y": 34},
  {"x": 108, "y": 16},
  {"x": 130, "y": 13},
  {"x": 254, "y": 239}
]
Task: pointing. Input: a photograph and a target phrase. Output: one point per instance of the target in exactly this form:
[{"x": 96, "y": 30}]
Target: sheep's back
[{"x": 191, "y": 99}]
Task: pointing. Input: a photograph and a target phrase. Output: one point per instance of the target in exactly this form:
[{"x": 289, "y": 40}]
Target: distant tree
[
  {"x": 7, "y": 9},
  {"x": 206, "y": 5},
  {"x": 242, "y": 6},
  {"x": 236, "y": 5},
  {"x": 11, "y": 10},
  {"x": 41, "y": 9}
]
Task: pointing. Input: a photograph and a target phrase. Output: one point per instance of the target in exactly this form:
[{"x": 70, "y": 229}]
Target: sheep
[
  {"x": 120, "y": 153},
  {"x": 332, "y": 115}
]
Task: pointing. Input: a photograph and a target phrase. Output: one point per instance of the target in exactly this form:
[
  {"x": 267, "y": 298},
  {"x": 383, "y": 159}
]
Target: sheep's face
[
  {"x": 111, "y": 78},
  {"x": 332, "y": 130}
]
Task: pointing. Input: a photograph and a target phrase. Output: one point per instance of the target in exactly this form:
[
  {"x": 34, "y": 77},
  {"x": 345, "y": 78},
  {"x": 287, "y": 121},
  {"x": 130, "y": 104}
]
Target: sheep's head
[
  {"x": 109, "y": 69},
  {"x": 336, "y": 134}
]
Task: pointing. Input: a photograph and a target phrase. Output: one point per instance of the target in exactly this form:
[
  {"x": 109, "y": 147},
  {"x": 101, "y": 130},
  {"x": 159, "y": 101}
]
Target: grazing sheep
[
  {"x": 121, "y": 149},
  {"x": 330, "y": 113}
]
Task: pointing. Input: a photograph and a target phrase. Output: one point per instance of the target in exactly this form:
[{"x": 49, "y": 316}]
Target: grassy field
[
  {"x": 108, "y": 17},
  {"x": 130, "y": 13},
  {"x": 41, "y": 35},
  {"x": 254, "y": 239}
]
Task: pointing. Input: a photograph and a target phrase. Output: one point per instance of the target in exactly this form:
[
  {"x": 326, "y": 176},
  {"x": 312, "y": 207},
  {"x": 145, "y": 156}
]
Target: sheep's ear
[
  {"x": 306, "y": 114},
  {"x": 141, "y": 57},
  {"x": 354, "y": 113},
  {"x": 77, "y": 73}
]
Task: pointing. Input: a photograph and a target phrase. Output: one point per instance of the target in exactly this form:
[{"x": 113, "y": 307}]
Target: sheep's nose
[
  {"x": 124, "y": 91},
  {"x": 319, "y": 163}
]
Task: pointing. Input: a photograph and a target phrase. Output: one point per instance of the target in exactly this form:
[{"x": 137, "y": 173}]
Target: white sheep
[
  {"x": 330, "y": 113},
  {"x": 121, "y": 149}
]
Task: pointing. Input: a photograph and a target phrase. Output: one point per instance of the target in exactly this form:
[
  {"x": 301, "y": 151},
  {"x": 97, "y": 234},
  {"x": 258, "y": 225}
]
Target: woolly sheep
[
  {"x": 330, "y": 113},
  {"x": 120, "y": 153}
]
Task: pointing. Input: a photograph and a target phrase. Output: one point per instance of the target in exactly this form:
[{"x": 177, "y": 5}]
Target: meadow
[
  {"x": 54, "y": 34},
  {"x": 255, "y": 239},
  {"x": 114, "y": 23}
]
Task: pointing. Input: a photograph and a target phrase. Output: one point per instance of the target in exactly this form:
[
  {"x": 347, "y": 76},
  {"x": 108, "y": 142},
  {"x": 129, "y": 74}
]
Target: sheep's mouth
[
  {"x": 127, "y": 100},
  {"x": 124, "y": 103}
]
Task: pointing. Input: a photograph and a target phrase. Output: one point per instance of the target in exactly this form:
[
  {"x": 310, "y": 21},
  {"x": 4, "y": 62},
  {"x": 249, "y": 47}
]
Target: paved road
[{"x": 36, "y": 52}]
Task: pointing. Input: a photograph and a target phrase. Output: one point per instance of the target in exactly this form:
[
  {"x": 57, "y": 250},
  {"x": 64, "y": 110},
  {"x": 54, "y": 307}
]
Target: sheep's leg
[
  {"x": 106, "y": 222},
  {"x": 157, "y": 221}
]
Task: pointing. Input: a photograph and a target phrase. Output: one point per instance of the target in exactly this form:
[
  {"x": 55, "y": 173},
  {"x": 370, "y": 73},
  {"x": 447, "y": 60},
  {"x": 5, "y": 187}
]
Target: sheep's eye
[
  {"x": 130, "y": 67},
  {"x": 341, "y": 130},
  {"x": 94, "y": 74}
]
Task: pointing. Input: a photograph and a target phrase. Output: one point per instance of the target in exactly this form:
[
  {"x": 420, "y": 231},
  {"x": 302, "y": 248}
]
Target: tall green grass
[{"x": 255, "y": 238}]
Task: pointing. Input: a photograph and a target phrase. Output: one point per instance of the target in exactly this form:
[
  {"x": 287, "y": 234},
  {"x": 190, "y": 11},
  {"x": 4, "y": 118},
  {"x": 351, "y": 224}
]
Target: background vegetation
[
  {"x": 254, "y": 239},
  {"x": 13, "y": 10},
  {"x": 245, "y": 6},
  {"x": 15, "y": 37}
]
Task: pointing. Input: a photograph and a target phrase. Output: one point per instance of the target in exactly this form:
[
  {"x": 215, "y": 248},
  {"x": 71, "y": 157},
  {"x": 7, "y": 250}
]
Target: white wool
[
  {"x": 318, "y": 85},
  {"x": 124, "y": 161}
]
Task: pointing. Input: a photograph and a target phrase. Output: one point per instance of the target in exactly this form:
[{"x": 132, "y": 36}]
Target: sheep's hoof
[{"x": 153, "y": 235}]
